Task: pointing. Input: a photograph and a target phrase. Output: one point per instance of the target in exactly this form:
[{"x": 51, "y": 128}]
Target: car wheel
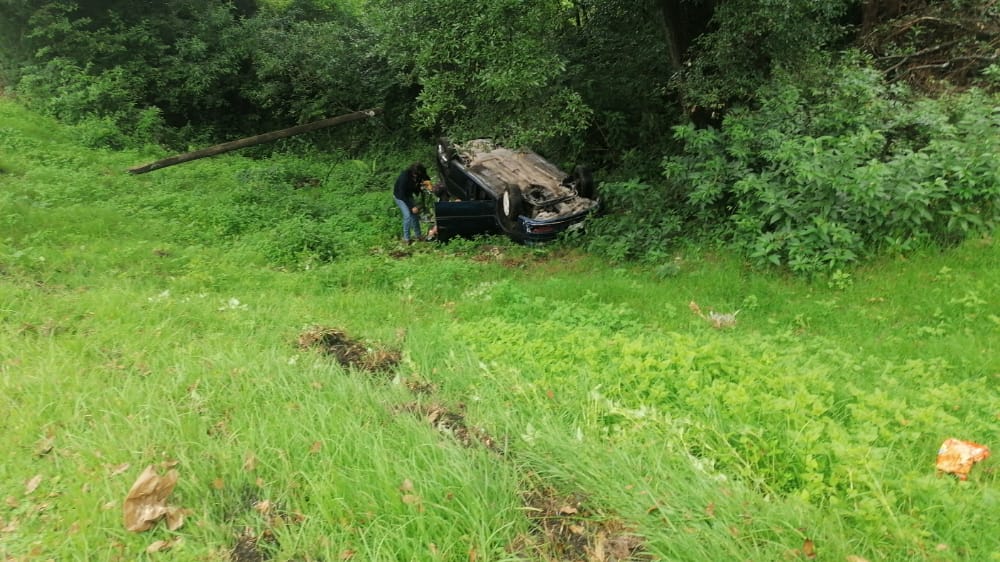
[
  {"x": 511, "y": 203},
  {"x": 446, "y": 150},
  {"x": 509, "y": 207},
  {"x": 584, "y": 182}
]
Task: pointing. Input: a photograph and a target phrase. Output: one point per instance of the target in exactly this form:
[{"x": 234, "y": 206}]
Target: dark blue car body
[{"x": 490, "y": 189}]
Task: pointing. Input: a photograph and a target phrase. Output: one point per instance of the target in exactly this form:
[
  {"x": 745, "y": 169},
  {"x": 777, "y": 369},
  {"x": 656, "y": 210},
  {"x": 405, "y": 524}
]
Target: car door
[{"x": 465, "y": 218}]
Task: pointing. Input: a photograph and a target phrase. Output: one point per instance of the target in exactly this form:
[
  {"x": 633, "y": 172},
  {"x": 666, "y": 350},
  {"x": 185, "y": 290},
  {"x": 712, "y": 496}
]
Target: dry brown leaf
[
  {"x": 809, "y": 548},
  {"x": 567, "y": 510},
  {"x": 218, "y": 483},
  {"x": 347, "y": 554},
  {"x": 160, "y": 546},
  {"x": 411, "y": 499},
  {"x": 957, "y": 457},
  {"x": 599, "y": 543},
  {"x": 853, "y": 558},
  {"x": 120, "y": 469},
  {"x": 694, "y": 308},
  {"x": 250, "y": 462},
  {"x": 316, "y": 446},
  {"x": 145, "y": 503},
  {"x": 710, "y": 509},
  {"x": 44, "y": 446},
  {"x": 11, "y": 502},
  {"x": 577, "y": 529},
  {"x": 263, "y": 507},
  {"x": 406, "y": 486},
  {"x": 9, "y": 527},
  {"x": 32, "y": 485},
  {"x": 175, "y": 518},
  {"x": 472, "y": 554}
]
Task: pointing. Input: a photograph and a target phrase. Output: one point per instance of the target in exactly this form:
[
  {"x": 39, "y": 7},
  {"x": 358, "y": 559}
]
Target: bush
[
  {"x": 822, "y": 175},
  {"x": 643, "y": 219},
  {"x": 298, "y": 241}
]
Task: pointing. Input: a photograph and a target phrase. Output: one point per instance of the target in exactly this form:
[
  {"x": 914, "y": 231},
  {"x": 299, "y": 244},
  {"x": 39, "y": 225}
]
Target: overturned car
[{"x": 486, "y": 188}]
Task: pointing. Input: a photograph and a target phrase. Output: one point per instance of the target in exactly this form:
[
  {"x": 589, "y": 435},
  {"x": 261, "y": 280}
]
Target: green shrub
[
  {"x": 642, "y": 220},
  {"x": 823, "y": 175},
  {"x": 298, "y": 241}
]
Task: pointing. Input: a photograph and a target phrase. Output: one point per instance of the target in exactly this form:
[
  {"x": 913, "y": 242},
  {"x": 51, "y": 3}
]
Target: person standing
[{"x": 407, "y": 187}]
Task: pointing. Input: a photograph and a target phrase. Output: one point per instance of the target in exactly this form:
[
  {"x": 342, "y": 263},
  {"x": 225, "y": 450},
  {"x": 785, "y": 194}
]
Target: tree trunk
[
  {"x": 255, "y": 140},
  {"x": 683, "y": 21},
  {"x": 671, "y": 16}
]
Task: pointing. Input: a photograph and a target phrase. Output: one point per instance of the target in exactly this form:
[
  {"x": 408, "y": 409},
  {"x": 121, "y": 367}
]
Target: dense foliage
[
  {"x": 818, "y": 177},
  {"x": 812, "y": 135}
]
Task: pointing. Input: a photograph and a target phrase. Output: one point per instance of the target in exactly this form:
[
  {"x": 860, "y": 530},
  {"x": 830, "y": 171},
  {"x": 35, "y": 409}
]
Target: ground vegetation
[{"x": 789, "y": 129}]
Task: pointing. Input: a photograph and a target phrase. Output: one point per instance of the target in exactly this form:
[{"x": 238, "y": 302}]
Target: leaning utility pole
[{"x": 255, "y": 140}]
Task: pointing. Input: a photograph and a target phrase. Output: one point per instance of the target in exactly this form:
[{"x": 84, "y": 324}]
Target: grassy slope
[{"x": 140, "y": 323}]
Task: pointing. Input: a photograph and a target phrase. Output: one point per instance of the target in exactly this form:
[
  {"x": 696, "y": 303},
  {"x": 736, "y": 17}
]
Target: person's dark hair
[{"x": 419, "y": 172}]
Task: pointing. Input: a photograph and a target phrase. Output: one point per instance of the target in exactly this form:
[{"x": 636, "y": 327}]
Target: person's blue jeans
[{"x": 411, "y": 221}]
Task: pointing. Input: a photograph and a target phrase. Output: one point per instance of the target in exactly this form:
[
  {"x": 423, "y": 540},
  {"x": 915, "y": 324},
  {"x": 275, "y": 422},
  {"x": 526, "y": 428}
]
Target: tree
[
  {"x": 747, "y": 39},
  {"x": 482, "y": 68}
]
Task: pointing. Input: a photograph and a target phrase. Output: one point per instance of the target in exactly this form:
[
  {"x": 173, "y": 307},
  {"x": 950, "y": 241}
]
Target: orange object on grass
[{"x": 957, "y": 457}]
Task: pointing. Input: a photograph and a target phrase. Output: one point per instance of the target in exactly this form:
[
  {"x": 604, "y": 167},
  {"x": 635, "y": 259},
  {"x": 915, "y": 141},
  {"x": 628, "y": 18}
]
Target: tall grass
[{"x": 156, "y": 319}]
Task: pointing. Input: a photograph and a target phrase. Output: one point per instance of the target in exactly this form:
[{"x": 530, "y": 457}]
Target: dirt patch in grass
[
  {"x": 350, "y": 353},
  {"x": 419, "y": 386},
  {"x": 498, "y": 254},
  {"x": 248, "y": 547},
  {"x": 452, "y": 422},
  {"x": 564, "y": 529},
  {"x": 399, "y": 254},
  {"x": 258, "y": 541}
]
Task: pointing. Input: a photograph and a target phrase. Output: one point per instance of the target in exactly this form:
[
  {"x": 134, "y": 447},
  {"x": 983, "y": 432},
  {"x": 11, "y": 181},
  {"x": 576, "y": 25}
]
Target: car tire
[
  {"x": 511, "y": 203},
  {"x": 509, "y": 207},
  {"x": 446, "y": 151},
  {"x": 584, "y": 182}
]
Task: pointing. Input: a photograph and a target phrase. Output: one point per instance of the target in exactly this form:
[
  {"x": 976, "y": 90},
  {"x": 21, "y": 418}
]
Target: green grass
[{"x": 155, "y": 318}]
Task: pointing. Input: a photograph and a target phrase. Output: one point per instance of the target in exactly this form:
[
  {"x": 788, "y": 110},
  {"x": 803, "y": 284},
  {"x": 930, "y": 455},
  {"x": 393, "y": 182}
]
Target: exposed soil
[
  {"x": 350, "y": 353},
  {"x": 565, "y": 530},
  {"x": 251, "y": 545},
  {"x": 452, "y": 422},
  {"x": 247, "y": 547}
]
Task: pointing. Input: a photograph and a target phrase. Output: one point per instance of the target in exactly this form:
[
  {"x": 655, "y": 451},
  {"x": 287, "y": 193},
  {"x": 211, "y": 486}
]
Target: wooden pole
[{"x": 255, "y": 140}]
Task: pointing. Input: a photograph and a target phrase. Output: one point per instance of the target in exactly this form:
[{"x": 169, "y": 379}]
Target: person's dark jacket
[{"x": 406, "y": 188}]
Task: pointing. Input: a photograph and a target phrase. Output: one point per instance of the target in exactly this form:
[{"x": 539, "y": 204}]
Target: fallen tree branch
[
  {"x": 948, "y": 63},
  {"x": 927, "y": 51},
  {"x": 254, "y": 140},
  {"x": 909, "y": 24}
]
